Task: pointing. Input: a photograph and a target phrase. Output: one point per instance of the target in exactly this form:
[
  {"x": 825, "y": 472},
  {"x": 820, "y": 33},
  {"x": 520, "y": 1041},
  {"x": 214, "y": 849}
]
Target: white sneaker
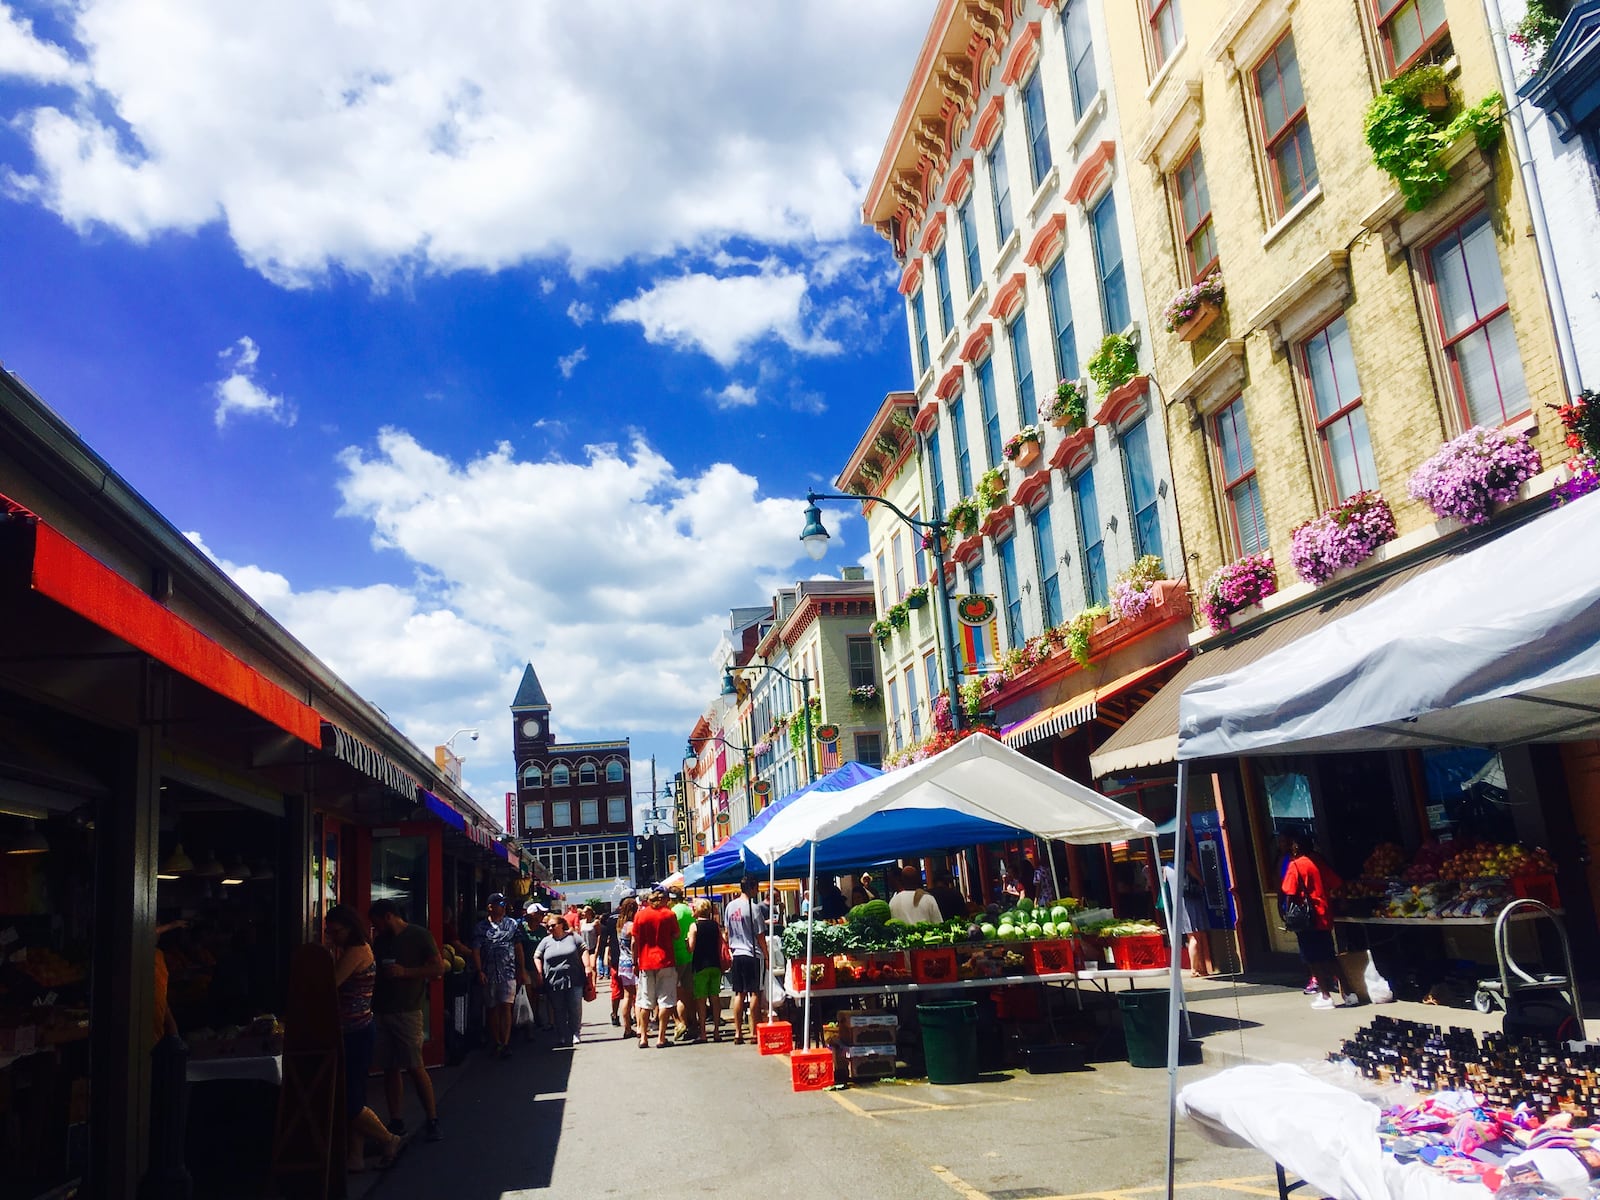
[
  {"x": 1323, "y": 1002},
  {"x": 1351, "y": 1000}
]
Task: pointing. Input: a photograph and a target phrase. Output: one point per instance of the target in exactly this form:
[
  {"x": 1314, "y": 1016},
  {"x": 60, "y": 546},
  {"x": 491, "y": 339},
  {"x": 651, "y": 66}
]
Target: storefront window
[
  {"x": 400, "y": 873},
  {"x": 1467, "y": 796}
]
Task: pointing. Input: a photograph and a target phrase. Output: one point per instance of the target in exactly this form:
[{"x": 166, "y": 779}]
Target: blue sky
[{"x": 465, "y": 335}]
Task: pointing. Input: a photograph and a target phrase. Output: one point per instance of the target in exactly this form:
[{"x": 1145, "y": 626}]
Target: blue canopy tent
[
  {"x": 892, "y": 834},
  {"x": 728, "y": 861}
]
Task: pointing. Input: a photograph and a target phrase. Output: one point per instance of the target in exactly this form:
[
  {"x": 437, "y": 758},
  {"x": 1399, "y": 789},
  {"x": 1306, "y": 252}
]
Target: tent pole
[
  {"x": 772, "y": 915},
  {"x": 1055, "y": 879},
  {"x": 811, "y": 884},
  {"x": 1175, "y": 979}
]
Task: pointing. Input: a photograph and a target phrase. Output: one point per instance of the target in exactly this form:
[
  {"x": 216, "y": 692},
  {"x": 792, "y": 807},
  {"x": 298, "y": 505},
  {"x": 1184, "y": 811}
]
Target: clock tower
[{"x": 530, "y": 715}]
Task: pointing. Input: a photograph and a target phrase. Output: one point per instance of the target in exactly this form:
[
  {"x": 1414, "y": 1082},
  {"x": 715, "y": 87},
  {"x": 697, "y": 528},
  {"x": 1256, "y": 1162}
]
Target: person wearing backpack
[
  {"x": 1303, "y": 899},
  {"x": 747, "y": 942}
]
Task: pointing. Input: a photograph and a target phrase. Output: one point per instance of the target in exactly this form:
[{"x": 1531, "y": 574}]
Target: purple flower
[
  {"x": 1237, "y": 585},
  {"x": 1472, "y": 473},
  {"x": 1129, "y": 599},
  {"x": 1343, "y": 536},
  {"x": 1585, "y": 479}
]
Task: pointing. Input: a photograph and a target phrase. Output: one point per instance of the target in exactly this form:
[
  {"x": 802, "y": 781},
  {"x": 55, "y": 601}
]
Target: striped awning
[
  {"x": 374, "y": 764},
  {"x": 1081, "y": 708}
]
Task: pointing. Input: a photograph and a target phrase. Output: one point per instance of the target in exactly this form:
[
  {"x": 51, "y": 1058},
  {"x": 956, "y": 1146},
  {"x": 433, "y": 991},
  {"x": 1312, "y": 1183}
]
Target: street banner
[{"x": 978, "y": 631}]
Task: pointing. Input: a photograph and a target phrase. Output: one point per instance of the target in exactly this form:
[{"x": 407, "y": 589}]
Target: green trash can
[
  {"x": 950, "y": 1040},
  {"x": 1144, "y": 1026}
]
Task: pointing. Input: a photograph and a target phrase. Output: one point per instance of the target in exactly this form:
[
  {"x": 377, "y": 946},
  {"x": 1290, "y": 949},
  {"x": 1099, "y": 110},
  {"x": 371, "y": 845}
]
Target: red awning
[{"x": 76, "y": 580}]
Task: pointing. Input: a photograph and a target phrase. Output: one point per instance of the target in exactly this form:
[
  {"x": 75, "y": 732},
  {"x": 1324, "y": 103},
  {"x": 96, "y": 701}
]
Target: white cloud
[
  {"x": 612, "y": 575},
  {"x": 568, "y": 363},
  {"x": 580, "y": 313},
  {"x": 380, "y": 141},
  {"x": 25, "y": 56},
  {"x": 725, "y": 317},
  {"x": 735, "y": 395},
  {"x": 239, "y": 395}
]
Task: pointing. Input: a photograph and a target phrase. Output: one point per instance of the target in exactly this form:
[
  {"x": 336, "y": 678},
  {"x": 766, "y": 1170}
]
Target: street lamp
[
  {"x": 473, "y": 733},
  {"x": 804, "y": 681},
  {"x": 815, "y": 538},
  {"x": 749, "y": 797}
]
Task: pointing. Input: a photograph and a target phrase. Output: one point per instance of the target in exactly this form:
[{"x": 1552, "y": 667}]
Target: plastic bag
[
  {"x": 522, "y": 1010},
  {"x": 1378, "y": 989}
]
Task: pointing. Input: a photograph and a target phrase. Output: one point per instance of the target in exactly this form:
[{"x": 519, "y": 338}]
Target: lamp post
[
  {"x": 749, "y": 798},
  {"x": 815, "y": 538},
  {"x": 804, "y": 681}
]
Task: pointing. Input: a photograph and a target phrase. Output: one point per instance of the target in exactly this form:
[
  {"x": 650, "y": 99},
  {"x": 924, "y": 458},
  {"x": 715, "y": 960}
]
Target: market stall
[
  {"x": 978, "y": 790},
  {"x": 1453, "y": 658}
]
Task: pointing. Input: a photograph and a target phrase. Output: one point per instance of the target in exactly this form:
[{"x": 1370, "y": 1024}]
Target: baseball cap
[
  {"x": 497, "y": 898},
  {"x": 675, "y": 892},
  {"x": 657, "y": 890}
]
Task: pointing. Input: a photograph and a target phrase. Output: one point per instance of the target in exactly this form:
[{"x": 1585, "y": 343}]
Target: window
[
  {"x": 941, "y": 282},
  {"x": 1108, "y": 261},
  {"x": 1408, "y": 29},
  {"x": 894, "y": 714},
  {"x": 958, "y": 435},
  {"x": 883, "y": 585},
  {"x": 1480, "y": 348},
  {"x": 588, "y": 773},
  {"x": 1166, "y": 29},
  {"x": 1011, "y": 590},
  {"x": 533, "y": 816},
  {"x": 1038, "y": 127},
  {"x": 617, "y": 811},
  {"x": 1044, "y": 553},
  {"x": 930, "y": 672},
  {"x": 969, "y": 244},
  {"x": 1241, "y": 492},
  {"x": 613, "y": 772},
  {"x": 1066, "y": 345},
  {"x": 919, "y": 331},
  {"x": 992, "y": 445},
  {"x": 1285, "y": 131},
  {"x": 589, "y": 812},
  {"x": 560, "y": 776},
  {"x": 532, "y": 776},
  {"x": 1080, "y": 57},
  {"x": 869, "y": 749},
  {"x": 1194, "y": 207},
  {"x": 1141, "y": 478},
  {"x": 1091, "y": 540},
  {"x": 897, "y": 548},
  {"x": 1022, "y": 369},
  {"x": 913, "y": 704},
  {"x": 1336, "y": 403},
  {"x": 1000, "y": 188},
  {"x": 561, "y": 814},
  {"x": 863, "y": 662},
  {"x": 936, "y": 474}
]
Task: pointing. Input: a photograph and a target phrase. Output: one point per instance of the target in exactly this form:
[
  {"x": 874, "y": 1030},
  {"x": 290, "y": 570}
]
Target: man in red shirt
[{"x": 655, "y": 936}]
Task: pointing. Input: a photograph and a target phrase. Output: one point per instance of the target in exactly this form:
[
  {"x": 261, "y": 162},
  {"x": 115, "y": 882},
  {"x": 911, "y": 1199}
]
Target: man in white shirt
[{"x": 911, "y": 904}]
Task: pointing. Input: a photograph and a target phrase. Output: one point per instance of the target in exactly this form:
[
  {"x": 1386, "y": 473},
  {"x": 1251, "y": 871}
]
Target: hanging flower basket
[
  {"x": 1070, "y": 408},
  {"x": 917, "y": 597},
  {"x": 1205, "y": 316},
  {"x": 1236, "y": 586},
  {"x": 1191, "y": 312},
  {"x": 867, "y": 693}
]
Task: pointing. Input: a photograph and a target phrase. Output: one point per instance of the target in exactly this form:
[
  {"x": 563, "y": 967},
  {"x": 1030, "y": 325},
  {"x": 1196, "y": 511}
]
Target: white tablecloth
[{"x": 266, "y": 1067}]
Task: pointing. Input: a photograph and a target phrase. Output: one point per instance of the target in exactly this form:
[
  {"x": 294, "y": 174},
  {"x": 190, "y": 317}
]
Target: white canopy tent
[
  {"x": 1498, "y": 647},
  {"x": 978, "y": 776}
]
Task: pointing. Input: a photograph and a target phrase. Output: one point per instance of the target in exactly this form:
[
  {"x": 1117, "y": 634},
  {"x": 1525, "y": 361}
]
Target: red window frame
[
  {"x": 1383, "y": 13},
  {"x": 1203, "y": 223},
  {"x": 1154, "y": 12},
  {"x": 1339, "y": 416},
  {"x": 1271, "y": 139},
  {"x": 1448, "y": 341},
  {"x": 1233, "y": 412}
]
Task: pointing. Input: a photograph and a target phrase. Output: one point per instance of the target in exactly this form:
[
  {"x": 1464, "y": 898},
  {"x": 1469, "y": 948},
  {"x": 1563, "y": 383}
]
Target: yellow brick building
[{"x": 1356, "y": 335}]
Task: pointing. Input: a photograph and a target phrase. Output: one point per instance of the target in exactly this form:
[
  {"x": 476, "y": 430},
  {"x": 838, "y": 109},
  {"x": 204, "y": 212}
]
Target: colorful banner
[{"x": 978, "y": 631}]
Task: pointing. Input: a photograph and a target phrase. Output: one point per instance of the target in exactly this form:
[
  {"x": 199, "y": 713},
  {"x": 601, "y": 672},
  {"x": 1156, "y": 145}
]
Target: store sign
[
  {"x": 762, "y": 787},
  {"x": 827, "y": 734},
  {"x": 975, "y": 610}
]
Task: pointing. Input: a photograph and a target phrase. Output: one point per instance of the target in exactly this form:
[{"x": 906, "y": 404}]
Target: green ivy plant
[
  {"x": 881, "y": 630},
  {"x": 899, "y": 615},
  {"x": 1408, "y": 143},
  {"x": 992, "y": 489},
  {"x": 1116, "y": 362},
  {"x": 799, "y": 730},
  {"x": 732, "y": 777},
  {"x": 1079, "y": 629},
  {"x": 964, "y": 516}
]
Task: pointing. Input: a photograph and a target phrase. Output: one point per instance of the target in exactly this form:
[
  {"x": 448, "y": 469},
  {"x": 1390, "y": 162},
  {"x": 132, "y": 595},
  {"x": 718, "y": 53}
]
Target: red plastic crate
[
  {"x": 934, "y": 964},
  {"x": 1053, "y": 958},
  {"x": 821, "y": 974},
  {"x": 1142, "y": 952},
  {"x": 811, "y": 1070},
  {"x": 775, "y": 1037},
  {"x": 1536, "y": 887}
]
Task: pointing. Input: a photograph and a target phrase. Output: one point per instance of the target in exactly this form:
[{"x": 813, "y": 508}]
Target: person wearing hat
[{"x": 497, "y": 957}]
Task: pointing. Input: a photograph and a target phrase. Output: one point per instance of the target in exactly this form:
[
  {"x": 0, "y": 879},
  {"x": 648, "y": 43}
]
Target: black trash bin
[{"x": 950, "y": 1040}]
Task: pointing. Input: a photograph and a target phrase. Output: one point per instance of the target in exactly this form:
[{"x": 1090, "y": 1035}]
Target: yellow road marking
[{"x": 957, "y": 1185}]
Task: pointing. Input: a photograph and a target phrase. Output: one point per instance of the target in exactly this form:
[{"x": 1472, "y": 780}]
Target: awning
[
  {"x": 1150, "y": 737},
  {"x": 1498, "y": 645},
  {"x": 443, "y": 811},
  {"x": 76, "y": 580},
  {"x": 1082, "y": 707},
  {"x": 374, "y": 764}
]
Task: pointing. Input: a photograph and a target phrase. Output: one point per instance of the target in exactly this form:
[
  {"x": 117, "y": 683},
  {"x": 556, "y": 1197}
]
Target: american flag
[{"x": 828, "y": 756}]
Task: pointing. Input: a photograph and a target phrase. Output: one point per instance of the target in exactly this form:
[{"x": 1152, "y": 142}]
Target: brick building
[{"x": 574, "y": 805}]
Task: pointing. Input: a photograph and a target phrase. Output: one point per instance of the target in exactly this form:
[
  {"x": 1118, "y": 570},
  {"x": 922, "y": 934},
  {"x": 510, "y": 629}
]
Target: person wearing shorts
[
  {"x": 747, "y": 941},
  {"x": 497, "y": 955},
  {"x": 408, "y": 960},
  {"x": 705, "y": 961},
  {"x": 680, "y": 951},
  {"x": 655, "y": 933}
]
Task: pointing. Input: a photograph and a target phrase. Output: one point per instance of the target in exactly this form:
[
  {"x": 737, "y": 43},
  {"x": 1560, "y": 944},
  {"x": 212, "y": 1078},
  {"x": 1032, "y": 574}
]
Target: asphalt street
[{"x": 609, "y": 1119}]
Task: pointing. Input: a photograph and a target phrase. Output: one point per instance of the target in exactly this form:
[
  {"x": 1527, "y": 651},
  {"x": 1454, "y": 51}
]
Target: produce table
[
  {"x": 1443, "y": 922},
  {"x": 1097, "y": 979},
  {"x": 268, "y": 1068}
]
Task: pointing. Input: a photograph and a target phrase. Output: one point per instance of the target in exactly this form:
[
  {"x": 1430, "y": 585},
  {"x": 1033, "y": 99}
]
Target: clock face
[{"x": 531, "y": 727}]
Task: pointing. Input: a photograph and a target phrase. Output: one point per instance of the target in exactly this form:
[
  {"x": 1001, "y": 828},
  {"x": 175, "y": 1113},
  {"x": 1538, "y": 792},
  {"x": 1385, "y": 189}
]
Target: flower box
[
  {"x": 916, "y": 598},
  {"x": 1237, "y": 586},
  {"x": 1472, "y": 473},
  {"x": 1343, "y": 537},
  {"x": 1204, "y": 318},
  {"x": 1027, "y": 455}
]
